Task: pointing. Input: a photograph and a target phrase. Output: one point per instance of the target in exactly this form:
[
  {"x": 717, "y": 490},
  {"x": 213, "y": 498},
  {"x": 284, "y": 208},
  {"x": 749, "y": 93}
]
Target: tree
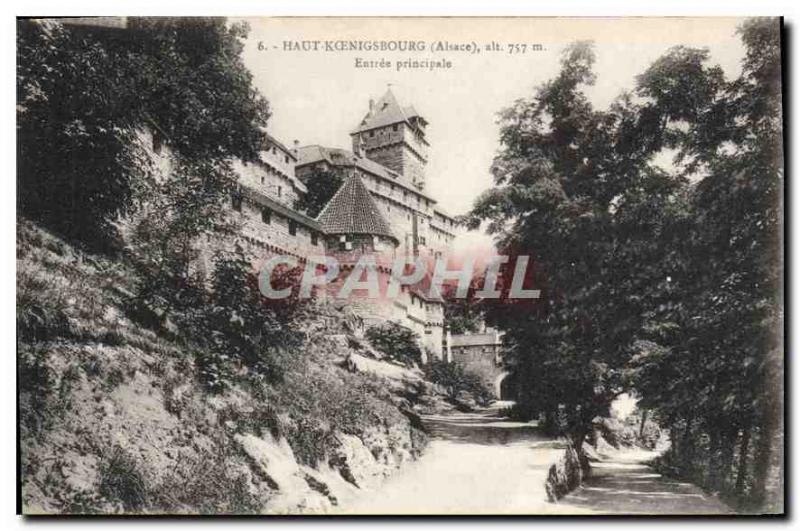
[
  {"x": 665, "y": 282},
  {"x": 82, "y": 94},
  {"x": 396, "y": 341},
  {"x": 574, "y": 193},
  {"x": 463, "y": 314},
  {"x": 722, "y": 362},
  {"x": 321, "y": 186}
]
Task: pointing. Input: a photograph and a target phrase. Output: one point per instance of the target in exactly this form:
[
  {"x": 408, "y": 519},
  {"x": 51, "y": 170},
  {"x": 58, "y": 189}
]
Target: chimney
[
  {"x": 296, "y": 147},
  {"x": 371, "y": 106}
]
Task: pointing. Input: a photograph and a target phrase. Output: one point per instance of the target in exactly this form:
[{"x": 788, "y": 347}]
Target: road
[
  {"x": 480, "y": 463},
  {"x": 626, "y": 485}
]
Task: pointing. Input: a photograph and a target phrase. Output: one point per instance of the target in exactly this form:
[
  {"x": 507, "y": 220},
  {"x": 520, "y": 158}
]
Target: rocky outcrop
[
  {"x": 114, "y": 420},
  {"x": 565, "y": 475}
]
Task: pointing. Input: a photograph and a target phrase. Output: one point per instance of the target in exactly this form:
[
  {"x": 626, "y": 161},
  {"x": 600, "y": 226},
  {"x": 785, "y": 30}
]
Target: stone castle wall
[
  {"x": 397, "y": 147},
  {"x": 268, "y": 180}
]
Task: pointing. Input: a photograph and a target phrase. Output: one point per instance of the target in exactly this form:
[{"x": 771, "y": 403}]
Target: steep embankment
[{"x": 114, "y": 419}]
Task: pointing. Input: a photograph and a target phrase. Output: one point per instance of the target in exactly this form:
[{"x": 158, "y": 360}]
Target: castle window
[
  {"x": 286, "y": 159},
  {"x": 266, "y": 215},
  {"x": 262, "y": 179},
  {"x": 236, "y": 202},
  {"x": 314, "y": 238},
  {"x": 372, "y": 133},
  {"x": 292, "y": 228},
  {"x": 394, "y": 127},
  {"x": 280, "y": 191}
]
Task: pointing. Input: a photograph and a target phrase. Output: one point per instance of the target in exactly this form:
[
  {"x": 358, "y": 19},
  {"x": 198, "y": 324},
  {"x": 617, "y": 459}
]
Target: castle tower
[
  {"x": 353, "y": 227},
  {"x": 393, "y": 136}
]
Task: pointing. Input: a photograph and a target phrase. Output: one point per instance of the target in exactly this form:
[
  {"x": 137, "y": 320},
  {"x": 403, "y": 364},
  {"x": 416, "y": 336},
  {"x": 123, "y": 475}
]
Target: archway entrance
[{"x": 504, "y": 388}]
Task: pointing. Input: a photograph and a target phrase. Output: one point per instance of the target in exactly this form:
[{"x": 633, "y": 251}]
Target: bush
[
  {"x": 208, "y": 484},
  {"x": 456, "y": 380},
  {"x": 236, "y": 328},
  {"x": 41, "y": 305},
  {"x": 396, "y": 341},
  {"x": 122, "y": 480}
]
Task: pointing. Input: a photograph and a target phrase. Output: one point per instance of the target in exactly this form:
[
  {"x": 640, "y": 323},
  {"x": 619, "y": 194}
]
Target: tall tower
[
  {"x": 354, "y": 227},
  {"x": 394, "y": 136}
]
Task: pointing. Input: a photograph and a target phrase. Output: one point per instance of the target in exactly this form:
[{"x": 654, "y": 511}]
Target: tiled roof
[
  {"x": 422, "y": 289},
  {"x": 273, "y": 140},
  {"x": 352, "y": 210},
  {"x": 386, "y": 112},
  {"x": 262, "y": 200},
  {"x": 342, "y": 157},
  {"x": 442, "y": 212}
]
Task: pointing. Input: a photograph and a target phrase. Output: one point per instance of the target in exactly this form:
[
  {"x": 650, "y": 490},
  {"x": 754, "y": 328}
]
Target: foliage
[
  {"x": 456, "y": 380},
  {"x": 237, "y": 328},
  {"x": 662, "y": 280},
  {"x": 82, "y": 94},
  {"x": 179, "y": 454},
  {"x": 122, "y": 480},
  {"x": 396, "y": 341},
  {"x": 463, "y": 314},
  {"x": 321, "y": 186}
]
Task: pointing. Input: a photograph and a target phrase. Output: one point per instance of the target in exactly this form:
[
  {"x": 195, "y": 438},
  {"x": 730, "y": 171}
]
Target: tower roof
[
  {"x": 385, "y": 112},
  {"x": 352, "y": 210}
]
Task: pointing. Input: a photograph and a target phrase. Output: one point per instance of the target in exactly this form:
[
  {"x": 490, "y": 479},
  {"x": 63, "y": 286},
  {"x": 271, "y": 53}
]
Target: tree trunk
[
  {"x": 715, "y": 461},
  {"x": 728, "y": 444},
  {"x": 686, "y": 452},
  {"x": 769, "y": 443},
  {"x": 741, "y": 472},
  {"x": 641, "y": 426}
]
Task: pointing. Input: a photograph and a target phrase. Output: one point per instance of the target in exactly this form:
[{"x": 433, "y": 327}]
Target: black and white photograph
[{"x": 400, "y": 266}]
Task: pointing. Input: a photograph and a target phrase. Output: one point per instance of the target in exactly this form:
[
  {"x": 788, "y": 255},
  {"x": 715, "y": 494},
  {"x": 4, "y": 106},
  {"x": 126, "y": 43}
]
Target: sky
[{"x": 318, "y": 97}]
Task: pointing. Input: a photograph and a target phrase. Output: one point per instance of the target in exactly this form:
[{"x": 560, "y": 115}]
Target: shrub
[
  {"x": 207, "y": 484},
  {"x": 122, "y": 480},
  {"x": 396, "y": 341},
  {"x": 41, "y": 305},
  {"x": 236, "y": 328},
  {"x": 455, "y": 379}
]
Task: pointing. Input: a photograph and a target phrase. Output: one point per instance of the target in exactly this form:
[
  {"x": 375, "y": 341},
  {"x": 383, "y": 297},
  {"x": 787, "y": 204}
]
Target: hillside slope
[{"x": 113, "y": 417}]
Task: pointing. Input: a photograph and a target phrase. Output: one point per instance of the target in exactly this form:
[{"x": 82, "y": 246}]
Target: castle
[{"x": 381, "y": 207}]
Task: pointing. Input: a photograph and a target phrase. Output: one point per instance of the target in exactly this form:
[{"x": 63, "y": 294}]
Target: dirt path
[
  {"x": 624, "y": 484},
  {"x": 479, "y": 463}
]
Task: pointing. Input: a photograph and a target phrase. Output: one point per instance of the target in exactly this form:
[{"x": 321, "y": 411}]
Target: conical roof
[{"x": 353, "y": 211}]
